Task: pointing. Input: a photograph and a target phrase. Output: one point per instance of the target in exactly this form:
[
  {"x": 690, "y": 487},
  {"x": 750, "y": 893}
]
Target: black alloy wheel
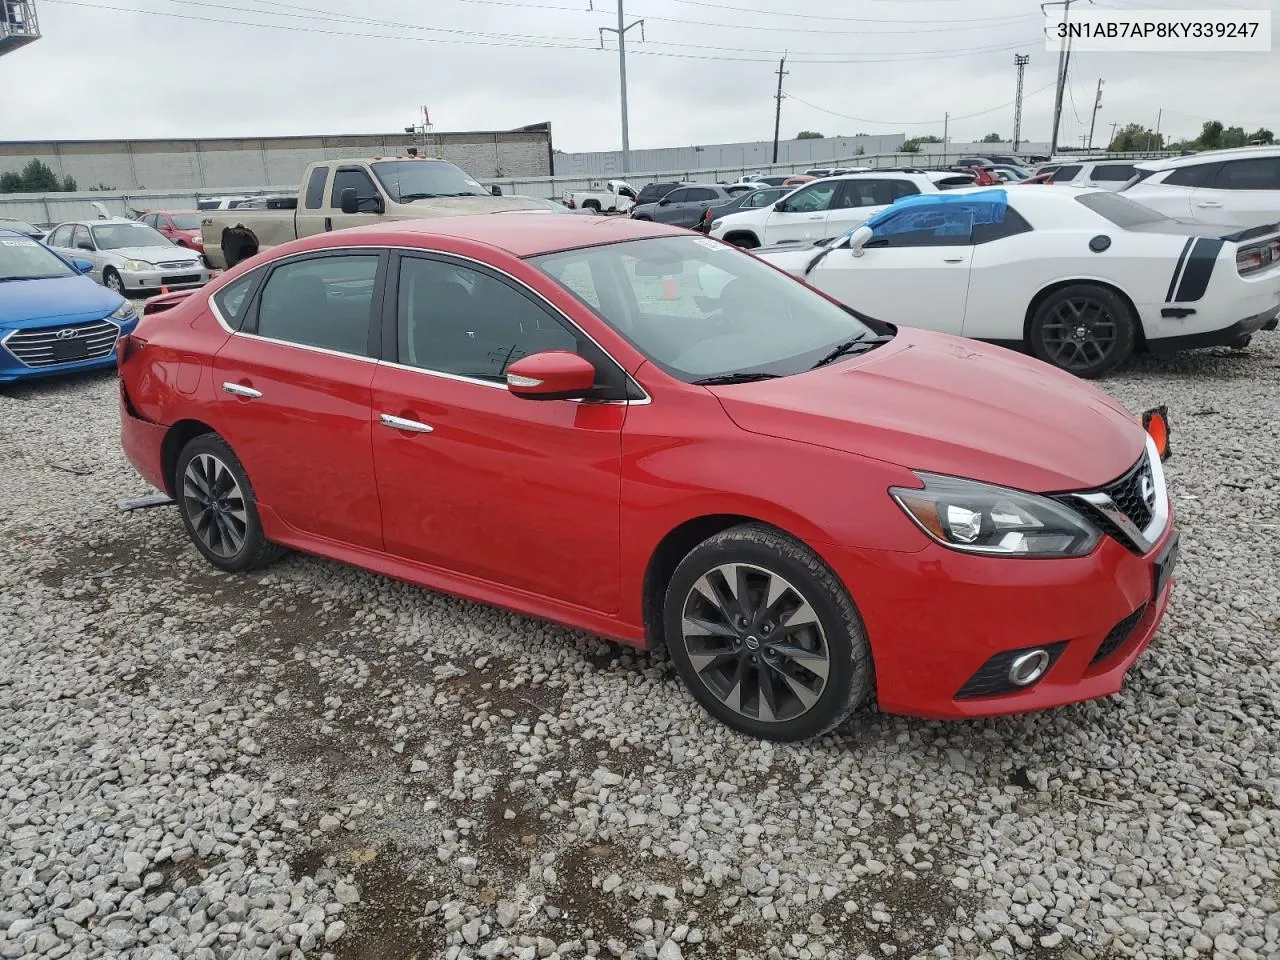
[{"x": 1084, "y": 329}]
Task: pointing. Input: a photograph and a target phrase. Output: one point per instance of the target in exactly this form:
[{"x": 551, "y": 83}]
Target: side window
[
  {"x": 1105, "y": 172},
  {"x": 678, "y": 196},
  {"x": 60, "y": 237},
  {"x": 700, "y": 194},
  {"x": 1065, "y": 174},
  {"x": 320, "y": 302},
  {"x": 1256, "y": 173},
  {"x": 315, "y": 188},
  {"x": 232, "y": 300},
  {"x": 935, "y": 225},
  {"x": 1196, "y": 175},
  {"x": 813, "y": 199},
  {"x": 351, "y": 178},
  {"x": 1012, "y": 225},
  {"x": 80, "y": 239},
  {"x": 903, "y": 188},
  {"x": 868, "y": 193}
]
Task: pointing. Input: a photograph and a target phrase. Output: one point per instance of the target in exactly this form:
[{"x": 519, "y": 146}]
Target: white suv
[
  {"x": 1102, "y": 174},
  {"x": 1232, "y": 187},
  {"x": 828, "y": 208}
]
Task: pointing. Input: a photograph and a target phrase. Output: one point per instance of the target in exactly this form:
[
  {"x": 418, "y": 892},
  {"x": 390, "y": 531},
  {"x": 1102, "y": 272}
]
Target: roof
[
  {"x": 1209, "y": 156},
  {"x": 520, "y": 234}
]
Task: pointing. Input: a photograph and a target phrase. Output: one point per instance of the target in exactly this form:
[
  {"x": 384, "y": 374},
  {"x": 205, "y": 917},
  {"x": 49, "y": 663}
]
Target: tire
[
  {"x": 232, "y": 540},
  {"x": 113, "y": 281},
  {"x": 644, "y": 217},
  {"x": 1083, "y": 329},
  {"x": 591, "y": 205},
  {"x": 811, "y": 606},
  {"x": 747, "y": 241}
]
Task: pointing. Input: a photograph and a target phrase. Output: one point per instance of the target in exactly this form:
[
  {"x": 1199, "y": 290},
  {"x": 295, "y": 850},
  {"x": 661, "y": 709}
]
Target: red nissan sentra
[{"x": 656, "y": 437}]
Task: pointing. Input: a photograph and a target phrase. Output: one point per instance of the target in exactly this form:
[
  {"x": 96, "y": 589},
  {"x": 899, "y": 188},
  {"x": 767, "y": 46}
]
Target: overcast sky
[{"x": 704, "y": 73}]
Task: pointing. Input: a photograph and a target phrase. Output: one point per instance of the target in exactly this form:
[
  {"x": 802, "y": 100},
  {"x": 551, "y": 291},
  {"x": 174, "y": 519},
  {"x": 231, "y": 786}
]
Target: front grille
[
  {"x": 992, "y": 678},
  {"x": 1118, "y": 635},
  {"x": 182, "y": 278},
  {"x": 1126, "y": 493},
  {"x": 177, "y": 265},
  {"x": 45, "y": 348}
]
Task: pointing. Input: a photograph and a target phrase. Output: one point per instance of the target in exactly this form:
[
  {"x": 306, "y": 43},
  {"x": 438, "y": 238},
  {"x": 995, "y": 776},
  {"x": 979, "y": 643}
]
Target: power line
[
  {"x": 826, "y": 16},
  {"x": 910, "y": 123}
]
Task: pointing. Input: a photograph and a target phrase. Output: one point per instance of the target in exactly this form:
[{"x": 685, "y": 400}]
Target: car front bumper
[
  {"x": 173, "y": 279},
  {"x": 936, "y": 618},
  {"x": 26, "y": 353}
]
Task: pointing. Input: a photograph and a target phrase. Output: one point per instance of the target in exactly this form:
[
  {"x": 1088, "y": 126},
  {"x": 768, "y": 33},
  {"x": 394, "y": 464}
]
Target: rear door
[
  {"x": 313, "y": 215},
  {"x": 803, "y": 215},
  {"x": 473, "y": 479},
  {"x": 293, "y": 389},
  {"x": 669, "y": 209},
  {"x": 863, "y": 198},
  {"x": 1244, "y": 192},
  {"x": 695, "y": 205}
]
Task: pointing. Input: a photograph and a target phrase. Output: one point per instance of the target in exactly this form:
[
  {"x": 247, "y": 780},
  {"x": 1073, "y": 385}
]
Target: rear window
[
  {"x": 1113, "y": 171},
  {"x": 1067, "y": 173},
  {"x": 1256, "y": 173},
  {"x": 1121, "y": 211},
  {"x": 315, "y": 188},
  {"x": 1195, "y": 175}
]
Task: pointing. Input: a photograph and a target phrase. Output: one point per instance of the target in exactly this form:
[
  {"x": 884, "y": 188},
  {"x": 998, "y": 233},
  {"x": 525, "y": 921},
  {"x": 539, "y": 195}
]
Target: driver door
[
  {"x": 803, "y": 215},
  {"x": 366, "y": 193},
  {"x": 914, "y": 271}
]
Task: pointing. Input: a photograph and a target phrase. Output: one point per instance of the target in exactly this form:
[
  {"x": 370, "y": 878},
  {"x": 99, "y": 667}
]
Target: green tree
[
  {"x": 993, "y": 138},
  {"x": 1262, "y": 134},
  {"x": 1210, "y": 135},
  {"x": 1134, "y": 137},
  {"x": 809, "y": 135},
  {"x": 913, "y": 145},
  {"x": 36, "y": 177}
]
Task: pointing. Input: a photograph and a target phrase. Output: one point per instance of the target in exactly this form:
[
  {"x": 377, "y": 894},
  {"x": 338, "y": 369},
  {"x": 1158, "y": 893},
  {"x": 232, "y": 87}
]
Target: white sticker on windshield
[
  {"x": 709, "y": 244},
  {"x": 19, "y": 243},
  {"x": 472, "y": 183}
]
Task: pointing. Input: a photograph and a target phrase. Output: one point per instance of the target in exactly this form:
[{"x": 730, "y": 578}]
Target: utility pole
[
  {"x": 1159, "y": 117},
  {"x": 1096, "y": 104},
  {"x": 946, "y": 122},
  {"x": 1064, "y": 55},
  {"x": 621, "y": 31},
  {"x": 1020, "y": 60},
  {"x": 1113, "y": 134},
  {"x": 777, "y": 113}
]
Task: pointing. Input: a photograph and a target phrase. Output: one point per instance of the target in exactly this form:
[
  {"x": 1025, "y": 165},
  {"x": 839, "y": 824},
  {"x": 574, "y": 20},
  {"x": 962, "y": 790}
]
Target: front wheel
[
  {"x": 218, "y": 507},
  {"x": 1084, "y": 329},
  {"x": 765, "y": 636},
  {"x": 112, "y": 281},
  {"x": 746, "y": 241}
]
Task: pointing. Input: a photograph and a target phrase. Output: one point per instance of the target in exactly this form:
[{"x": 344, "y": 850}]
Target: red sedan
[
  {"x": 180, "y": 226},
  {"x": 653, "y": 436}
]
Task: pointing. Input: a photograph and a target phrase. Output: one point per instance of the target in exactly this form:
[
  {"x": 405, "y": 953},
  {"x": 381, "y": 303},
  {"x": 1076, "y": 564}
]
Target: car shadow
[{"x": 38, "y": 387}]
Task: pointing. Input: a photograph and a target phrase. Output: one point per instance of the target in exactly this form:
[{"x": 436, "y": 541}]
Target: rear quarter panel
[{"x": 1008, "y": 274}]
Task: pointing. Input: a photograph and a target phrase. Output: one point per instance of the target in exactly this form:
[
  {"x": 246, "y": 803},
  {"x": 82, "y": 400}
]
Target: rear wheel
[
  {"x": 765, "y": 636},
  {"x": 591, "y": 205},
  {"x": 747, "y": 241},
  {"x": 218, "y": 507},
  {"x": 1084, "y": 329}
]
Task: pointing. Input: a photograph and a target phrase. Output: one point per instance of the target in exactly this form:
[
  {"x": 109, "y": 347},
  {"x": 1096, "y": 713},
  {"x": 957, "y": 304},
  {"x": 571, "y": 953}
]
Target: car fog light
[{"x": 1028, "y": 668}]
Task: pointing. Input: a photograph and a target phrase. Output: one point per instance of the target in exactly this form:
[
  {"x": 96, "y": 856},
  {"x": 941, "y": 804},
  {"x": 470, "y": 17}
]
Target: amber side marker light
[{"x": 1156, "y": 422}]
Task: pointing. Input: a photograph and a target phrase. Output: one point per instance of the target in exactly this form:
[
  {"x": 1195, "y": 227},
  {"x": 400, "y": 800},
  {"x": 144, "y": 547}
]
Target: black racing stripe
[
  {"x": 1182, "y": 258},
  {"x": 1195, "y": 279}
]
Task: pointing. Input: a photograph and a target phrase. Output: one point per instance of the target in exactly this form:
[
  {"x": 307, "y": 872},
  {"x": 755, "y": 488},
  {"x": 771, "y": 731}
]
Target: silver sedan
[{"x": 129, "y": 257}]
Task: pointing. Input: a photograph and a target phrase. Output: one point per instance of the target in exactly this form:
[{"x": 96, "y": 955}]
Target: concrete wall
[{"x": 231, "y": 163}]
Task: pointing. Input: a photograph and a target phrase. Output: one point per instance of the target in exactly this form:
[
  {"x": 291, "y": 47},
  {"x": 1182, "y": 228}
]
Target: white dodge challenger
[{"x": 1081, "y": 278}]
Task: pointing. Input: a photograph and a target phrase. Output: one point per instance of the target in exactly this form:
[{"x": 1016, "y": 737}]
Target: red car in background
[
  {"x": 650, "y": 435},
  {"x": 180, "y": 226}
]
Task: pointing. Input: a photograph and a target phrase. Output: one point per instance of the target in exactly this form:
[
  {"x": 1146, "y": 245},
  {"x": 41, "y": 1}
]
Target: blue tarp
[{"x": 945, "y": 214}]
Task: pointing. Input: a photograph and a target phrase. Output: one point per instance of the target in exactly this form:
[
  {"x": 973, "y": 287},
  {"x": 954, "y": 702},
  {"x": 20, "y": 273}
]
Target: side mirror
[
  {"x": 349, "y": 201},
  {"x": 859, "y": 239},
  {"x": 82, "y": 266},
  {"x": 663, "y": 202},
  {"x": 551, "y": 375},
  {"x": 496, "y": 190},
  {"x": 780, "y": 206}
]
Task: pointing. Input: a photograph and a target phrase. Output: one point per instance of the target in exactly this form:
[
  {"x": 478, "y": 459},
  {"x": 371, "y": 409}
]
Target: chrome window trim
[
  {"x": 1146, "y": 538},
  {"x": 372, "y": 250}
]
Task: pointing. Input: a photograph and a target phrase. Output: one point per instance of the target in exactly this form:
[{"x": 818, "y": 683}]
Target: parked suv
[
  {"x": 654, "y": 192},
  {"x": 1102, "y": 174},
  {"x": 685, "y": 206},
  {"x": 1235, "y": 187}
]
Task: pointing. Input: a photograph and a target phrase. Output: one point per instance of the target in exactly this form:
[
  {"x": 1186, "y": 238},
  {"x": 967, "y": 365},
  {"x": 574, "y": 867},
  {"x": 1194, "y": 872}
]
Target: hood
[
  {"x": 170, "y": 253},
  {"x": 23, "y": 302},
  {"x": 456, "y": 206},
  {"x": 932, "y": 402}
]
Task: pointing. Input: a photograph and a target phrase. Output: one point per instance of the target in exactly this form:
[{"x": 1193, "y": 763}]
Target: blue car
[{"x": 53, "y": 319}]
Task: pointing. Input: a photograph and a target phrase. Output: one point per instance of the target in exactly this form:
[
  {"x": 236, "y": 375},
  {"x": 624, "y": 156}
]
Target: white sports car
[{"x": 1080, "y": 278}]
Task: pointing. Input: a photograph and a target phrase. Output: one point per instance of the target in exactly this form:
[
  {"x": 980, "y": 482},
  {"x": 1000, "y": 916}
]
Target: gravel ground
[{"x": 314, "y": 761}]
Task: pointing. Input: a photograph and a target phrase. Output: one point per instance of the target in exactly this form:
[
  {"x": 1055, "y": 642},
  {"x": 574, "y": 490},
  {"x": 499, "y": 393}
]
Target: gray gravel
[{"x": 314, "y": 761}]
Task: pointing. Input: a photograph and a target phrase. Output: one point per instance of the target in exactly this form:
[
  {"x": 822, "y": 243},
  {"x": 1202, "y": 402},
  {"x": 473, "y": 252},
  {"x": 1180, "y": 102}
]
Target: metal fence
[{"x": 49, "y": 208}]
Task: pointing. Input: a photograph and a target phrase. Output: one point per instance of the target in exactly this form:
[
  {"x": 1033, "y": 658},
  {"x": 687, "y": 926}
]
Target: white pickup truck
[{"x": 617, "y": 197}]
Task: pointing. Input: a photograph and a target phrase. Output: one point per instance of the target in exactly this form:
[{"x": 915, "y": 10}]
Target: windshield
[
  {"x": 185, "y": 221},
  {"x": 23, "y": 259},
  {"x": 117, "y": 236},
  {"x": 20, "y": 225},
  {"x": 1121, "y": 211},
  {"x": 406, "y": 180},
  {"x": 702, "y": 309}
]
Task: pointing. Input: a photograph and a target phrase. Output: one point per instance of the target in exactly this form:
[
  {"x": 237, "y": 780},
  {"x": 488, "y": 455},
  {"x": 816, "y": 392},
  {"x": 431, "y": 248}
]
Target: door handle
[
  {"x": 818, "y": 216},
  {"x": 400, "y": 423},
  {"x": 953, "y": 260},
  {"x": 239, "y": 390},
  {"x": 1208, "y": 203}
]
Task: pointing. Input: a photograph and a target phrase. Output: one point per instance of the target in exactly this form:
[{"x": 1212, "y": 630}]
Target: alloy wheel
[
  {"x": 115, "y": 283},
  {"x": 755, "y": 642},
  {"x": 1080, "y": 334},
  {"x": 215, "y": 504}
]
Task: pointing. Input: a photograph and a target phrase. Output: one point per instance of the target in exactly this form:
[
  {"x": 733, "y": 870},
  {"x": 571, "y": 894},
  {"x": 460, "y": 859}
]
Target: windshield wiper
[
  {"x": 45, "y": 277},
  {"x": 859, "y": 344},
  {"x": 735, "y": 378},
  {"x": 406, "y": 197}
]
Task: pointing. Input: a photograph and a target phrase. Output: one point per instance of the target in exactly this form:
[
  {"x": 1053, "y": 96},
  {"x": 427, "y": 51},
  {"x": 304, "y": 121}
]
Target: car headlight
[
  {"x": 138, "y": 265},
  {"x": 126, "y": 311},
  {"x": 980, "y": 518}
]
